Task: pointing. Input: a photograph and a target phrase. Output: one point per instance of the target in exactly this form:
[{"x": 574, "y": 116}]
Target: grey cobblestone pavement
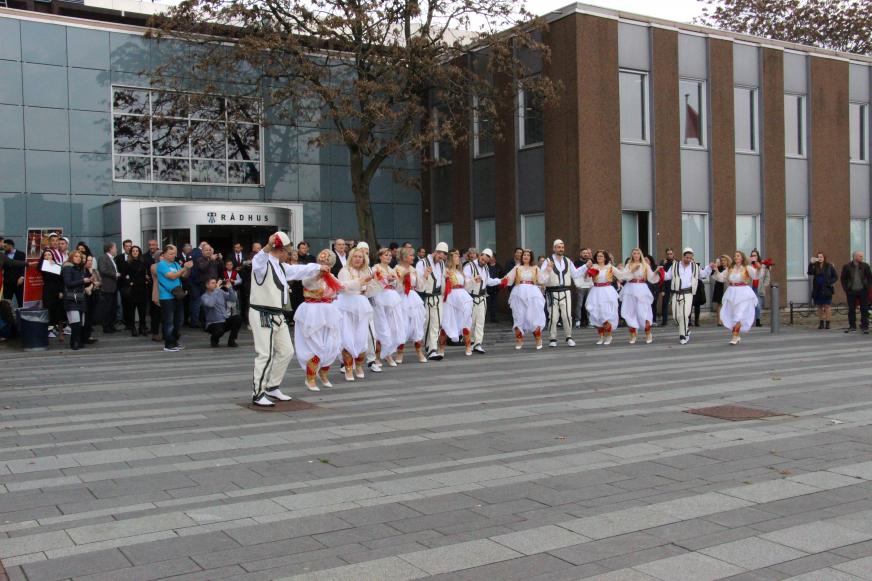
[{"x": 123, "y": 462}]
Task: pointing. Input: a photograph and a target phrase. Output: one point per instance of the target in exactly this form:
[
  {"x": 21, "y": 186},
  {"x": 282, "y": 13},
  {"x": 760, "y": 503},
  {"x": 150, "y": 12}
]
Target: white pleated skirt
[
  {"x": 457, "y": 314},
  {"x": 636, "y": 299},
  {"x": 738, "y": 306},
  {"x": 390, "y": 320},
  {"x": 415, "y": 314},
  {"x": 317, "y": 332},
  {"x": 602, "y": 306},
  {"x": 356, "y": 313},
  {"x": 528, "y": 308}
]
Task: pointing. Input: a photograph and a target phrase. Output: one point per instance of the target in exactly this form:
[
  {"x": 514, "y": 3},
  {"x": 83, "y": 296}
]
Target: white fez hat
[
  {"x": 441, "y": 247},
  {"x": 686, "y": 250},
  {"x": 283, "y": 238},
  {"x": 362, "y": 245},
  {"x": 487, "y": 252},
  {"x": 556, "y": 242}
]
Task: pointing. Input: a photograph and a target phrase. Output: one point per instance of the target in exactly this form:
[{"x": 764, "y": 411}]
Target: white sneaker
[
  {"x": 552, "y": 343},
  {"x": 276, "y": 393},
  {"x": 578, "y": 324},
  {"x": 478, "y": 348},
  {"x": 52, "y": 334},
  {"x": 682, "y": 340},
  {"x": 570, "y": 342},
  {"x": 434, "y": 355},
  {"x": 68, "y": 331},
  {"x": 171, "y": 349},
  {"x": 376, "y": 368},
  {"x": 264, "y": 402}
]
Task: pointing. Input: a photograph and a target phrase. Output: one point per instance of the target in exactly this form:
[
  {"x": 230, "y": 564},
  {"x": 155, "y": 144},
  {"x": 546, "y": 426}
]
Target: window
[
  {"x": 634, "y": 232},
  {"x": 168, "y": 136},
  {"x": 794, "y": 125},
  {"x": 533, "y": 233},
  {"x": 860, "y": 237},
  {"x": 747, "y": 233},
  {"x": 797, "y": 242},
  {"x": 531, "y": 124},
  {"x": 634, "y": 106},
  {"x": 692, "y": 113},
  {"x": 445, "y": 233},
  {"x": 745, "y": 115},
  {"x": 486, "y": 234},
  {"x": 482, "y": 131},
  {"x": 442, "y": 149},
  {"x": 859, "y": 132},
  {"x": 694, "y": 233}
]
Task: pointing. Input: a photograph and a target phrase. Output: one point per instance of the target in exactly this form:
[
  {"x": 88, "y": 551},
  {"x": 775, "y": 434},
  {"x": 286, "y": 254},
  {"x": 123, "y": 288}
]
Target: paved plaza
[{"x": 123, "y": 462}]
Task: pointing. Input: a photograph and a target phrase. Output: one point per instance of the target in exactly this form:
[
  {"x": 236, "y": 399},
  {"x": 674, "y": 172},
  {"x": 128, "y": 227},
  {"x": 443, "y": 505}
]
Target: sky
[{"x": 679, "y": 10}]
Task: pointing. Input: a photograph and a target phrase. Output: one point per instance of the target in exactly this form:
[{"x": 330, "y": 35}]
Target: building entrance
[{"x": 222, "y": 238}]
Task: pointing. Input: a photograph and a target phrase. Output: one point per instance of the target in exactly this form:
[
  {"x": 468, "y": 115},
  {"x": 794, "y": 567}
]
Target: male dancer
[
  {"x": 269, "y": 294},
  {"x": 431, "y": 272},
  {"x": 476, "y": 272},
  {"x": 685, "y": 275},
  {"x": 559, "y": 292}
]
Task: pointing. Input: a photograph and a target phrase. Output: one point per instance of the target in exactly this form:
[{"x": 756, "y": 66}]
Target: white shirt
[
  {"x": 685, "y": 273},
  {"x": 343, "y": 258},
  {"x": 475, "y": 268},
  {"x": 292, "y": 271},
  {"x": 558, "y": 263},
  {"x": 438, "y": 271},
  {"x": 114, "y": 266}
]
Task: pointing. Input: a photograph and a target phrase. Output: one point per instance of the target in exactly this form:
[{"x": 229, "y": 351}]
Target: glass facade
[
  {"x": 860, "y": 237},
  {"x": 794, "y": 125},
  {"x": 533, "y": 231},
  {"x": 445, "y": 233},
  {"x": 486, "y": 234},
  {"x": 694, "y": 233},
  {"x": 797, "y": 247}
]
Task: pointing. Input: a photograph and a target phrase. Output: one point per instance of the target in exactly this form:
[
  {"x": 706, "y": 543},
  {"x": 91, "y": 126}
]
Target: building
[
  {"x": 672, "y": 135},
  {"x": 77, "y": 151}
]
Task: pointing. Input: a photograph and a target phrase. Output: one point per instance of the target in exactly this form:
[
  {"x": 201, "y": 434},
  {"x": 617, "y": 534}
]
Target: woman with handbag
[
  {"x": 92, "y": 295},
  {"x": 75, "y": 300},
  {"x": 824, "y": 278},
  {"x": 172, "y": 296}
]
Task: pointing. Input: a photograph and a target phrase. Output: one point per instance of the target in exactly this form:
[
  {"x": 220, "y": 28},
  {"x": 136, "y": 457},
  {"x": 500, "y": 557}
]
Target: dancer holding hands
[
  {"x": 457, "y": 306},
  {"x": 602, "y": 302},
  {"x": 413, "y": 307},
  {"x": 389, "y": 317},
  {"x": 318, "y": 323},
  {"x": 526, "y": 300},
  {"x": 356, "y": 313},
  {"x": 740, "y": 300},
  {"x": 636, "y": 297}
]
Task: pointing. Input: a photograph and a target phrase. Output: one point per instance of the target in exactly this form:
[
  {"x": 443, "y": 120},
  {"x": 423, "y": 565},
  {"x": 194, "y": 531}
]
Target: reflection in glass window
[
  {"x": 634, "y": 106},
  {"x": 533, "y": 233},
  {"x": 794, "y": 125},
  {"x": 483, "y": 143},
  {"x": 168, "y": 169},
  {"x": 860, "y": 237},
  {"x": 207, "y": 140},
  {"x": 796, "y": 247},
  {"x": 692, "y": 98},
  {"x": 532, "y": 122},
  {"x": 207, "y": 171},
  {"x": 243, "y": 173},
  {"x": 243, "y": 141},
  {"x": 169, "y": 104},
  {"x": 486, "y": 234},
  {"x": 131, "y": 135},
  {"x": 747, "y": 233},
  {"x": 169, "y": 137},
  {"x": 859, "y": 120},
  {"x": 132, "y": 168},
  {"x": 694, "y": 233},
  {"x": 445, "y": 233},
  {"x": 132, "y": 101},
  {"x": 745, "y": 118}
]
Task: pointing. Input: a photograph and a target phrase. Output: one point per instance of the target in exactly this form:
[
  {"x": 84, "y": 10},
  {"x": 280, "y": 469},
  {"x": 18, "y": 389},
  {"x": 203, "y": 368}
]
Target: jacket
[
  {"x": 218, "y": 304},
  {"x": 865, "y": 276},
  {"x": 109, "y": 276},
  {"x": 822, "y": 281},
  {"x": 74, "y": 287}
]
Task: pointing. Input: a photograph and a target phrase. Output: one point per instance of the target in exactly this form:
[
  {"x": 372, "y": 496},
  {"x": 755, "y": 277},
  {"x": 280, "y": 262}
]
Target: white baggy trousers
[
  {"x": 682, "y": 307},
  {"x": 560, "y": 308},
  {"x": 479, "y": 313},
  {"x": 272, "y": 343}
]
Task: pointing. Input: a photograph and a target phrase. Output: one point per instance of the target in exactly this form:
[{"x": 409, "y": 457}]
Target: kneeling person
[{"x": 220, "y": 302}]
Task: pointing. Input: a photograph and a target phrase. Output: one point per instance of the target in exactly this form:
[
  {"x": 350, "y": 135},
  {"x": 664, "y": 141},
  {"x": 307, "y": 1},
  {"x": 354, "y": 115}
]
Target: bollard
[{"x": 774, "y": 309}]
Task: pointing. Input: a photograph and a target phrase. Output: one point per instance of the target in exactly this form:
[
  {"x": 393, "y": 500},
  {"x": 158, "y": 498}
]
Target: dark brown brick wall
[
  {"x": 723, "y": 147},
  {"x": 667, "y": 152},
  {"x": 774, "y": 224},
  {"x": 505, "y": 183}
]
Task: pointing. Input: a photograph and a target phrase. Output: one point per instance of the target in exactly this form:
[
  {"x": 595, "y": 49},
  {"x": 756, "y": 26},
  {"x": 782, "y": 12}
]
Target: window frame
[
  {"x": 478, "y": 242},
  {"x": 805, "y": 251},
  {"x": 864, "y": 132},
  {"x": 803, "y": 126},
  {"x": 706, "y": 226},
  {"x": 476, "y": 139},
  {"x": 755, "y": 119},
  {"x": 867, "y": 243},
  {"x": 703, "y": 113},
  {"x": 646, "y": 106},
  {"x": 522, "y": 129}
]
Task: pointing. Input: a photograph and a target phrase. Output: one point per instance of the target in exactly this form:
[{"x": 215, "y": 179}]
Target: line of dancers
[{"x": 370, "y": 313}]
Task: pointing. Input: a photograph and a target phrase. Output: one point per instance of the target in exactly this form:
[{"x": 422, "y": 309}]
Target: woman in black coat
[
  {"x": 136, "y": 277},
  {"x": 75, "y": 301},
  {"x": 823, "y": 279},
  {"x": 52, "y": 296}
]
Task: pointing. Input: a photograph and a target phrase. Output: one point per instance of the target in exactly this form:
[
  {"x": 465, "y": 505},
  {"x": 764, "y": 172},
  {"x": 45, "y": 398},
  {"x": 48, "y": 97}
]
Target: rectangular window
[
  {"x": 747, "y": 233},
  {"x": 859, "y": 121},
  {"x": 486, "y": 234},
  {"x": 694, "y": 234},
  {"x": 531, "y": 123},
  {"x": 745, "y": 118},
  {"x": 797, "y": 247},
  {"x": 482, "y": 131},
  {"x": 533, "y": 233},
  {"x": 692, "y": 101},
  {"x": 442, "y": 149},
  {"x": 634, "y": 106},
  {"x": 794, "y": 125},
  {"x": 175, "y": 137},
  {"x": 445, "y": 233},
  {"x": 629, "y": 233},
  {"x": 860, "y": 237}
]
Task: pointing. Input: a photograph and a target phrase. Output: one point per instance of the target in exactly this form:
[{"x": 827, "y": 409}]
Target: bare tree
[
  {"x": 374, "y": 71},
  {"x": 844, "y": 25}
]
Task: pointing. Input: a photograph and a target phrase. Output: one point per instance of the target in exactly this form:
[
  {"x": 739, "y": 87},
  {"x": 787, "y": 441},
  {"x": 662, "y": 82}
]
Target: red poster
[{"x": 37, "y": 239}]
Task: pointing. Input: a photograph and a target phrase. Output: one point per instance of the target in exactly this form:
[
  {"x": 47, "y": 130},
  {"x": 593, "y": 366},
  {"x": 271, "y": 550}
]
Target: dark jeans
[
  {"x": 156, "y": 319},
  {"x": 217, "y": 330},
  {"x": 664, "y": 307},
  {"x": 128, "y": 310},
  {"x": 863, "y": 298},
  {"x": 110, "y": 306},
  {"x": 140, "y": 308},
  {"x": 195, "y": 294},
  {"x": 172, "y": 312}
]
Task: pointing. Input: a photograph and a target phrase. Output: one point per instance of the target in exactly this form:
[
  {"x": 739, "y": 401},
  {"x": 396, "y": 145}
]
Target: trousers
[
  {"x": 580, "y": 311},
  {"x": 560, "y": 308},
  {"x": 479, "y": 314},
  {"x": 682, "y": 307},
  {"x": 432, "y": 321},
  {"x": 273, "y": 347}
]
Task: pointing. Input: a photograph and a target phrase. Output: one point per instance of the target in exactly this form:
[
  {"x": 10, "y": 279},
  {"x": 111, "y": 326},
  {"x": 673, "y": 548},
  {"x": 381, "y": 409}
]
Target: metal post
[{"x": 774, "y": 309}]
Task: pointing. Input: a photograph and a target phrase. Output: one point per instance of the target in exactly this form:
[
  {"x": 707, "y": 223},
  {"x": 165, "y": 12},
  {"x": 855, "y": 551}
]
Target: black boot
[
  {"x": 75, "y": 336},
  {"x": 821, "y": 325},
  {"x": 134, "y": 332},
  {"x": 758, "y": 323},
  {"x": 826, "y": 324}
]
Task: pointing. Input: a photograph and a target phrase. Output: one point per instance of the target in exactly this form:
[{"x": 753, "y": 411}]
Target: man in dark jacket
[
  {"x": 856, "y": 280},
  {"x": 13, "y": 272}
]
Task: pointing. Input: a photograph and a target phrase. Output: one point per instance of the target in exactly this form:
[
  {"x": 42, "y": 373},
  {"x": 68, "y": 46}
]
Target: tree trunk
[{"x": 360, "y": 183}]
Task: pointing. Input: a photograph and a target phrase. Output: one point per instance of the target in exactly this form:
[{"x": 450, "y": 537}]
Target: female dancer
[
  {"x": 636, "y": 297},
  {"x": 318, "y": 324},
  {"x": 737, "y": 309},
  {"x": 356, "y": 313},
  {"x": 413, "y": 306},
  {"x": 602, "y": 302},
  {"x": 389, "y": 319},
  {"x": 526, "y": 300},
  {"x": 457, "y": 306},
  {"x": 823, "y": 278}
]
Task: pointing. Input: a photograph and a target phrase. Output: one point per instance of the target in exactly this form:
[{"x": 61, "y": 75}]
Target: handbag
[{"x": 177, "y": 291}]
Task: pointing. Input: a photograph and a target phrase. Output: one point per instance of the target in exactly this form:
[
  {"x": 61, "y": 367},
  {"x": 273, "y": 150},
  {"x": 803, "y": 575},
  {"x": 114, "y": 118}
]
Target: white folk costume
[
  {"x": 388, "y": 316},
  {"x": 268, "y": 303},
  {"x": 356, "y": 316},
  {"x": 740, "y": 301},
  {"x": 414, "y": 311},
  {"x": 456, "y": 312},
  {"x": 636, "y": 298},
  {"x": 478, "y": 292},
  {"x": 558, "y": 290},
  {"x": 527, "y": 302},
  {"x": 684, "y": 280},
  {"x": 432, "y": 296},
  {"x": 602, "y": 302},
  {"x": 318, "y": 328}
]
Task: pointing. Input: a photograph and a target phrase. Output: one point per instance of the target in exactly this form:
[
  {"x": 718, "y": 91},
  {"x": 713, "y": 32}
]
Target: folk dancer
[
  {"x": 431, "y": 272},
  {"x": 389, "y": 317},
  {"x": 356, "y": 313},
  {"x": 526, "y": 300},
  {"x": 684, "y": 275},
  {"x": 456, "y": 306},
  {"x": 413, "y": 307},
  {"x": 602, "y": 302},
  {"x": 269, "y": 299},
  {"x": 318, "y": 323},
  {"x": 636, "y": 297},
  {"x": 476, "y": 272},
  {"x": 740, "y": 300},
  {"x": 558, "y": 288}
]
